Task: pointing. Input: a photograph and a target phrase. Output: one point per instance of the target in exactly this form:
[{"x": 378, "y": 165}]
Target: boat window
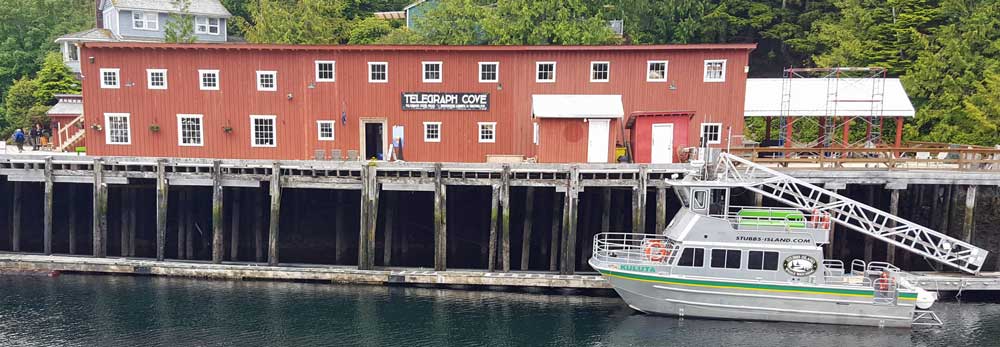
[
  {"x": 700, "y": 198},
  {"x": 692, "y": 257},
  {"x": 717, "y": 206},
  {"x": 760, "y": 260},
  {"x": 726, "y": 258}
]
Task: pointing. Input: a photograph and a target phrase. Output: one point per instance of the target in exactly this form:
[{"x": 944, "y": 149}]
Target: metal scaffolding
[{"x": 834, "y": 118}]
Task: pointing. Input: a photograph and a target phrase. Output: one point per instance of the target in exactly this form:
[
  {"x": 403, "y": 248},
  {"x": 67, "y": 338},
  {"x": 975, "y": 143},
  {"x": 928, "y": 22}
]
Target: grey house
[{"x": 144, "y": 21}]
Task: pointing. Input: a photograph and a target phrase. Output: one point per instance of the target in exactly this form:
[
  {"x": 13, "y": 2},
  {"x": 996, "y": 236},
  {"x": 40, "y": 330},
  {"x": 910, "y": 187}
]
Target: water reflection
[{"x": 77, "y": 310}]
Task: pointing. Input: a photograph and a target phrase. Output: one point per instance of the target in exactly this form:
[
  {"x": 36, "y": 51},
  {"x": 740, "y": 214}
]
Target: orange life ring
[
  {"x": 656, "y": 251},
  {"x": 884, "y": 284},
  {"x": 820, "y": 219}
]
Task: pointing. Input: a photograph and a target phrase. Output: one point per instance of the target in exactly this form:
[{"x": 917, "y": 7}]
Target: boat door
[
  {"x": 597, "y": 140},
  {"x": 662, "y": 144},
  {"x": 700, "y": 200}
]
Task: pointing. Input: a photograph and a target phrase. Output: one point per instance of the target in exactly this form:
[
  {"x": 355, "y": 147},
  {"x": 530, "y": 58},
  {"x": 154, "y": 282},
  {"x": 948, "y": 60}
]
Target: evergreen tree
[
  {"x": 54, "y": 78},
  {"x": 18, "y": 104},
  {"x": 296, "y": 22},
  {"x": 180, "y": 26},
  {"x": 368, "y": 31}
]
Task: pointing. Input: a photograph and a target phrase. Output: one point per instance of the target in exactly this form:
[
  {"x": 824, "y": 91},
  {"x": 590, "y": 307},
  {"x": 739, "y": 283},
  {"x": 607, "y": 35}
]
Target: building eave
[{"x": 466, "y": 48}]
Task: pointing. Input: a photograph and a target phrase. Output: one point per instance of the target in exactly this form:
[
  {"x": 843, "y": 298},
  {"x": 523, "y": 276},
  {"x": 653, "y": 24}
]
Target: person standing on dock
[
  {"x": 19, "y": 139},
  {"x": 36, "y": 137}
]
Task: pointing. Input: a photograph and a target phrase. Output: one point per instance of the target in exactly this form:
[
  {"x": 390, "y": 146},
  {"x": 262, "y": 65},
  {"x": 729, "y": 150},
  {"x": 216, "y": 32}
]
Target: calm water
[{"x": 77, "y": 310}]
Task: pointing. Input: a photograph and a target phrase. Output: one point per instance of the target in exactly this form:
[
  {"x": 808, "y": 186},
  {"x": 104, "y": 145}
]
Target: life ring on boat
[
  {"x": 820, "y": 220},
  {"x": 883, "y": 285},
  {"x": 656, "y": 251}
]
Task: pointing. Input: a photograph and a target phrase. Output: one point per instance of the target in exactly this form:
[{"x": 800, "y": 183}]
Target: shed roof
[
  {"x": 95, "y": 34},
  {"x": 577, "y": 106},
  {"x": 197, "y": 7},
  {"x": 67, "y": 105},
  {"x": 241, "y": 46},
  {"x": 815, "y": 97}
]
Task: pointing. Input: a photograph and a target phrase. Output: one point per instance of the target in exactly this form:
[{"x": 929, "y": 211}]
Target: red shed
[
  {"x": 447, "y": 103},
  {"x": 655, "y": 136}
]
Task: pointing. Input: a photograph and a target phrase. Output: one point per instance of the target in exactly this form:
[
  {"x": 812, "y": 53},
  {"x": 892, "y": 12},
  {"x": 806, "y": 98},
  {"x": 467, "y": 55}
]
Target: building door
[
  {"x": 662, "y": 144},
  {"x": 597, "y": 140},
  {"x": 373, "y": 139}
]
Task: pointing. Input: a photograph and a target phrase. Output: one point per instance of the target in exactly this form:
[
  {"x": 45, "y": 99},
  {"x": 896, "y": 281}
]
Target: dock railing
[
  {"x": 889, "y": 158},
  {"x": 636, "y": 252}
]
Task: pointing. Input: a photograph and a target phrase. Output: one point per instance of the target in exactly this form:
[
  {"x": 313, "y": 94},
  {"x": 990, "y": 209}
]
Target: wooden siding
[
  {"x": 565, "y": 140},
  {"x": 641, "y": 135},
  {"x": 300, "y": 101}
]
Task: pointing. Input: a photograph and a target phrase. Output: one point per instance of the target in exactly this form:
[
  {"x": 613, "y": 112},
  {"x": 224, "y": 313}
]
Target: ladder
[{"x": 851, "y": 214}]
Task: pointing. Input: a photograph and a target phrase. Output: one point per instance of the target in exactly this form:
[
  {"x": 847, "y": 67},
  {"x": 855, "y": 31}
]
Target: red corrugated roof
[{"x": 246, "y": 46}]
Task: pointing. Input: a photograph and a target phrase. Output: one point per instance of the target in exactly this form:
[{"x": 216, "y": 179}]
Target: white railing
[
  {"x": 775, "y": 219},
  {"x": 69, "y": 131},
  {"x": 651, "y": 252}
]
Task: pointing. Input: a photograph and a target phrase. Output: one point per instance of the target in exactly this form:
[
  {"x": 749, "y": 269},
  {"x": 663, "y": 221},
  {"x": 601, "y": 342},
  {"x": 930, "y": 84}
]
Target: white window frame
[
  {"x": 538, "y": 65},
  {"x": 180, "y": 130},
  {"x": 373, "y": 63},
  {"x": 592, "y": 64},
  {"x": 718, "y": 137},
  {"x": 208, "y": 25},
  {"x": 705, "y": 72},
  {"x": 438, "y": 139},
  {"x": 253, "y": 132},
  {"x": 146, "y": 20},
  {"x": 666, "y": 69},
  {"x": 479, "y": 132},
  {"x": 201, "y": 79},
  {"x": 333, "y": 71},
  {"x": 423, "y": 71},
  {"x": 496, "y": 65},
  {"x": 274, "y": 85},
  {"x": 149, "y": 78},
  {"x": 118, "y": 79},
  {"x": 107, "y": 128},
  {"x": 333, "y": 130}
]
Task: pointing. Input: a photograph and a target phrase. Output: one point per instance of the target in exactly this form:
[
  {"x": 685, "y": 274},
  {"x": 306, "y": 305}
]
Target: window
[
  {"x": 488, "y": 132},
  {"x": 267, "y": 81},
  {"x": 759, "y": 260},
  {"x": 600, "y": 71},
  {"x": 692, "y": 257},
  {"x": 432, "y": 131},
  {"x": 145, "y": 20},
  {"x": 324, "y": 129},
  {"x": 72, "y": 52},
  {"x": 715, "y": 71},
  {"x": 206, "y": 25},
  {"x": 156, "y": 78},
  {"x": 489, "y": 72},
  {"x": 326, "y": 71},
  {"x": 116, "y": 129},
  {"x": 209, "y": 79},
  {"x": 545, "y": 71},
  {"x": 378, "y": 72},
  {"x": 262, "y": 131},
  {"x": 656, "y": 71},
  {"x": 109, "y": 78},
  {"x": 711, "y": 133},
  {"x": 534, "y": 136},
  {"x": 190, "y": 130},
  {"x": 726, "y": 258},
  {"x": 432, "y": 71}
]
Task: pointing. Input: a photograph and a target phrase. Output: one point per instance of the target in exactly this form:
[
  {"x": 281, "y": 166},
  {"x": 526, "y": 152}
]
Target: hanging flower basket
[
  {"x": 154, "y": 128},
  {"x": 96, "y": 127},
  {"x": 227, "y": 129}
]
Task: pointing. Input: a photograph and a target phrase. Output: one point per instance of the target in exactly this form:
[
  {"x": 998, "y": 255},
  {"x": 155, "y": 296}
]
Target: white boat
[{"x": 715, "y": 260}]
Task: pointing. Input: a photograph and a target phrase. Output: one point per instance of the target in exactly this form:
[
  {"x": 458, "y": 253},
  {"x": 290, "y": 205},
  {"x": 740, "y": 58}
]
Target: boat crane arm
[{"x": 851, "y": 214}]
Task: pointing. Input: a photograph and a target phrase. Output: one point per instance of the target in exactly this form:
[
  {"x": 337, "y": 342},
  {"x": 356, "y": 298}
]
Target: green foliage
[
  {"x": 402, "y": 36},
  {"x": 295, "y": 22},
  {"x": 368, "y": 31},
  {"x": 453, "y": 22},
  {"x": 19, "y": 103},
  {"x": 180, "y": 26},
  {"x": 528, "y": 22},
  {"x": 28, "y": 29},
  {"x": 54, "y": 78}
]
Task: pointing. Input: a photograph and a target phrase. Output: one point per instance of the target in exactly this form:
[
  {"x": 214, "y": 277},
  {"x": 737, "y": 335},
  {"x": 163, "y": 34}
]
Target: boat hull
[{"x": 665, "y": 295}]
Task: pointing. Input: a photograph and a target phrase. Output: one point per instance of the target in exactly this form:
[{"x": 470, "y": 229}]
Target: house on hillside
[{"x": 144, "y": 21}]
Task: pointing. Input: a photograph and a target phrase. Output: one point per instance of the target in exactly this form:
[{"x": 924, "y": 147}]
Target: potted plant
[
  {"x": 227, "y": 129},
  {"x": 154, "y": 128},
  {"x": 96, "y": 127}
]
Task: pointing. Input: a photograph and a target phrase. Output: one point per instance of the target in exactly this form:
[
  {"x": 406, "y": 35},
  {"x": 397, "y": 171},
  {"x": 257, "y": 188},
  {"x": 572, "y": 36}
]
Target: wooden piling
[
  {"x": 494, "y": 217},
  {"x": 15, "y": 220},
  {"x": 390, "y": 212},
  {"x": 182, "y": 222},
  {"x": 639, "y": 202},
  {"x": 124, "y": 206},
  {"x": 758, "y": 199},
  {"x": 132, "y": 220},
  {"x": 605, "y": 210},
  {"x": 554, "y": 235},
  {"x": 968, "y": 225},
  {"x": 218, "y": 242},
  {"x": 569, "y": 222},
  {"x": 529, "y": 213},
  {"x": 161, "y": 209},
  {"x": 661, "y": 209},
  {"x": 369, "y": 217},
  {"x": 191, "y": 219},
  {"x": 47, "y": 208},
  {"x": 340, "y": 246},
  {"x": 71, "y": 219},
  {"x": 440, "y": 221},
  {"x": 505, "y": 218},
  {"x": 869, "y": 241},
  {"x": 234, "y": 226},
  {"x": 258, "y": 226},
  {"x": 272, "y": 239},
  {"x": 100, "y": 220},
  {"x": 893, "y": 210}
]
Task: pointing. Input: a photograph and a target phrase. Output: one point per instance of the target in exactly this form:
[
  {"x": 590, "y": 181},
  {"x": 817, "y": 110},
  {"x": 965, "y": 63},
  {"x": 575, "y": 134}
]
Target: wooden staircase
[{"x": 70, "y": 134}]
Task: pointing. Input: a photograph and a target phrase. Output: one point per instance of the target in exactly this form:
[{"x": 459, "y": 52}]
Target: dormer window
[
  {"x": 145, "y": 20},
  {"x": 206, "y": 25}
]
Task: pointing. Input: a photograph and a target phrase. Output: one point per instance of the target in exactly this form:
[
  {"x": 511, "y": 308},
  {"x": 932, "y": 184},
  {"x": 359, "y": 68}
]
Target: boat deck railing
[
  {"x": 779, "y": 220},
  {"x": 635, "y": 252}
]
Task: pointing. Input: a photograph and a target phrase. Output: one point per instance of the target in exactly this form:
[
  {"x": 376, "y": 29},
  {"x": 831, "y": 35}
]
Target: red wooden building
[{"x": 448, "y": 103}]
